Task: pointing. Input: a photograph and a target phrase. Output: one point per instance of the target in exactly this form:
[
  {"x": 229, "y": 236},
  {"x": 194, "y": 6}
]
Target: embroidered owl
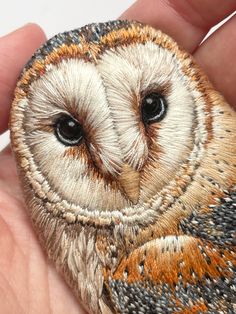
[{"x": 127, "y": 159}]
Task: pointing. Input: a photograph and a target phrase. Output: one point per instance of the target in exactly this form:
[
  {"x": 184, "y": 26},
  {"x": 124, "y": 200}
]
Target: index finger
[
  {"x": 15, "y": 50},
  {"x": 187, "y": 21}
]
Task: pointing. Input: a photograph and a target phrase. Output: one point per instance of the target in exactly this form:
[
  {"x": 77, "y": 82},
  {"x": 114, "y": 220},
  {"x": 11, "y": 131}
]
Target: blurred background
[{"x": 56, "y": 16}]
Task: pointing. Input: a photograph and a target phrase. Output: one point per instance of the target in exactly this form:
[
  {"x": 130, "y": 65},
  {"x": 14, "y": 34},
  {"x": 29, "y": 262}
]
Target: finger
[
  {"x": 187, "y": 21},
  {"x": 217, "y": 56},
  {"x": 6, "y": 151},
  {"x": 15, "y": 50}
]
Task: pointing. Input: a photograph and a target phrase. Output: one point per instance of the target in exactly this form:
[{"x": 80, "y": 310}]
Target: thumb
[{"x": 15, "y": 50}]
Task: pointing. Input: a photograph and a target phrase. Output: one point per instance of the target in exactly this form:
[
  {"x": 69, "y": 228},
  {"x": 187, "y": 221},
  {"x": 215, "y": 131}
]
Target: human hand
[{"x": 28, "y": 283}]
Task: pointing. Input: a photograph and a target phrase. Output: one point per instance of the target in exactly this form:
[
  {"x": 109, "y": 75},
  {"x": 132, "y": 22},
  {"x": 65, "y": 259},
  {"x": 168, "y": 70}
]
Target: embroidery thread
[{"x": 127, "y": 159}]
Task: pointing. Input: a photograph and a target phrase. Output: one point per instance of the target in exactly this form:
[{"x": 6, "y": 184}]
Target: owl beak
[{"x": 129, "y": 180}]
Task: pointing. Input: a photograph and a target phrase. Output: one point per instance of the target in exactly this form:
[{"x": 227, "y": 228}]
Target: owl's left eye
[
  {"x": 68, "y": 130},
  {"x": 154, "y": 107}
]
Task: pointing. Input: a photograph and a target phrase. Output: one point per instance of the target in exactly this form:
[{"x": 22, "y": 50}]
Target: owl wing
[{"x": 174, "y": 274}]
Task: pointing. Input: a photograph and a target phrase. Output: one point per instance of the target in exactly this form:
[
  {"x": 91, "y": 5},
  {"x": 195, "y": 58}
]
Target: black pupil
[
  {"x": 68, "y": 131},
  {"x": 153, "y": 108}
]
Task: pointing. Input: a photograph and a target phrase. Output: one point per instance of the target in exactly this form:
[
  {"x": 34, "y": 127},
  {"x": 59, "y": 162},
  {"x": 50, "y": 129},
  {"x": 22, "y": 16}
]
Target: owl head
[{"x": 113, "y": 122}]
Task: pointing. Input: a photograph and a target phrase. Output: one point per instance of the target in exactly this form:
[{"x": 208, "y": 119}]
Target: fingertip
[
  {"x": 16, "y": 48},
  {"x": 34, "y": 29},
  {"x": 29, "y": 31}
]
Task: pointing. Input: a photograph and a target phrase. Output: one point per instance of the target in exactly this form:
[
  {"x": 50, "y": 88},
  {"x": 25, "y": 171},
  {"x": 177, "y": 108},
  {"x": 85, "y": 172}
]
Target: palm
[{"x": 28, "y": 282}]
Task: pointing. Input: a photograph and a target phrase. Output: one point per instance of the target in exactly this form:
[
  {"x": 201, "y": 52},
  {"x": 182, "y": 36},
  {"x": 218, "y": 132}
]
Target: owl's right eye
[{"x": 68, "y": 131}]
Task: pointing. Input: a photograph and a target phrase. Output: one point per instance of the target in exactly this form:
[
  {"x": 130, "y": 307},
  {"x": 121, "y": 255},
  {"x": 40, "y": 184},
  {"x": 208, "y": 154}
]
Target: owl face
[{"x": 108, "y": 125}]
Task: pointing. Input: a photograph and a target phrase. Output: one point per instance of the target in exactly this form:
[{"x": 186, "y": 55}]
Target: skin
[{"x": 28, "y": 282}]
